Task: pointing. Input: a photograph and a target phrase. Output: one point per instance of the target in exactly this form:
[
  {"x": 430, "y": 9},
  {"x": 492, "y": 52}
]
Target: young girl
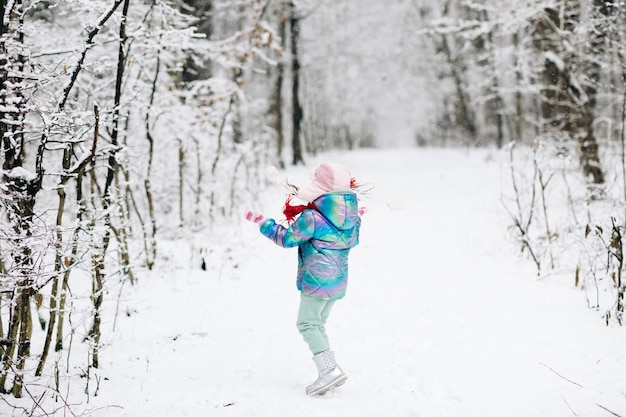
[{"x": 324, "y": 231}]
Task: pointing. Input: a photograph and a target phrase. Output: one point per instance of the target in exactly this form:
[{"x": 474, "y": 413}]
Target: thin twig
[
  {"x": 568, "y": 406},
  {"x": 568, "y": 380},
  {"x": 606, "y": 409},
  {"x": 519, "y": 218}
]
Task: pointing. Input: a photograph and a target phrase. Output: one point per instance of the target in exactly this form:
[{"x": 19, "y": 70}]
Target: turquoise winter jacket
[{"x": 324, "y": 237}]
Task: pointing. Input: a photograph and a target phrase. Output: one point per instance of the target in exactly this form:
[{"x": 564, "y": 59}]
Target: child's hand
[{"x": 256, "y": 218}]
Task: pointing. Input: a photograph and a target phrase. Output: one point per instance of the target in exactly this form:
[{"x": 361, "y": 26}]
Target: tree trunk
[
  {"x": 518, "y": 117},
  {"x": 204, "y": 11},
  {"x": 25, "y": 333},
  {"x": 276, "y": 108},
  {"x": 565, "y": 105},
  {"x": 462, "y": 112},
  {"x": 9, "y": 343},
  {"x": 181, "y": 182},
  {"x": 97, "y": 296},
  {"x": 150, "y": 235},
  {"x": 99, "y": 253},
  {"x": 297, "y": 112},
  {"x": 58, "y": 261},
  {"x": 20, "y": 192},
  {"x": 495, "y": 104}
]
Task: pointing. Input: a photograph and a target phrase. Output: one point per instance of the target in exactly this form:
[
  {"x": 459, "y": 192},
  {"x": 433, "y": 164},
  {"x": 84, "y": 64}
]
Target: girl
[{"x": 324, "y": 231}]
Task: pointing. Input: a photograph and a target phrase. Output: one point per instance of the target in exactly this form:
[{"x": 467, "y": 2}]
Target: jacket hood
[{"x": 340, "y": 208}]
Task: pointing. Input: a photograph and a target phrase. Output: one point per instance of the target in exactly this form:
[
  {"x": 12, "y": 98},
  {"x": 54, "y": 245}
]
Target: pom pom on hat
[{"x": 328, "y": 177}]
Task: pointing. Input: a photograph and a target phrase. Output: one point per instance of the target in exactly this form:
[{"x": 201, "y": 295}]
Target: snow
[
  {"x": 443, "y": 316},
  {"x": 21, "y": 173},
  {"x": 556, "y": 60}
]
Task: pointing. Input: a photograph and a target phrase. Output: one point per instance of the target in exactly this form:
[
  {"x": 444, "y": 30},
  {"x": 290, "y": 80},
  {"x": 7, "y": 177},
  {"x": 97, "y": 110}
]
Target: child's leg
[
  {"x": 324, "y": 316},
  {"x": 312, "y": 316}
]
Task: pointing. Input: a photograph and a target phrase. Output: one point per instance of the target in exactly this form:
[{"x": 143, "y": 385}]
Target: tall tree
[
  {"x": 297, "y": 111},
  {"x": 276, "y": 106},
  {"x": 568, "y": 94},
  {"x": 495, "y": 102},
  {"x": 463, "y": 113},
  {"x": 196, "y": 65},
  {"x": 20, "y": 188}
]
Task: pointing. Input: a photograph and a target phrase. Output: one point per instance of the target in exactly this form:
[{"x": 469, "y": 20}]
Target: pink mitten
[{"x": 257, "y": 218}]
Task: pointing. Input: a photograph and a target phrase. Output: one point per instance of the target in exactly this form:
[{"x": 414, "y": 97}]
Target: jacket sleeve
[{"x": 300, "y": 231}]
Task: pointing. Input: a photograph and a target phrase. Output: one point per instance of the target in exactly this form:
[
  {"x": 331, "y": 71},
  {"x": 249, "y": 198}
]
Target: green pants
[{"x": 311, "y": 322}]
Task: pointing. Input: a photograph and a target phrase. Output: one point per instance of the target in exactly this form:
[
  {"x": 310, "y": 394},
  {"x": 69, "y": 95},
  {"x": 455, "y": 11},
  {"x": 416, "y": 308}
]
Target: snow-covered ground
[{"x": 442, "y": 317}]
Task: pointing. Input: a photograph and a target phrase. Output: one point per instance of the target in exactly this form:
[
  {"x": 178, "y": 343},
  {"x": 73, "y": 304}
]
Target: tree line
[
  {"x": 121, "y": 123},
  {"x": 546, "y": 80}
]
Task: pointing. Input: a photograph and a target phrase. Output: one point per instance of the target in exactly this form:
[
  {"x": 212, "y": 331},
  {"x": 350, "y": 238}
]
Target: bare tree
[
  {"x": 567, "y": 101},
  {"x": 495, "y": 102},
  {"x": 276, "y": 107},
  {"x": 20, "y": 188},
  {"x": 463, "y": 113},
  {"x": 296, "y": 110}
]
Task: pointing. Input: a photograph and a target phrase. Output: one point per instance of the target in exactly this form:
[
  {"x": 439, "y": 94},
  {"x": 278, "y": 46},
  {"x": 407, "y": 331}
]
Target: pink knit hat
[{"x": 328, "y": 177}]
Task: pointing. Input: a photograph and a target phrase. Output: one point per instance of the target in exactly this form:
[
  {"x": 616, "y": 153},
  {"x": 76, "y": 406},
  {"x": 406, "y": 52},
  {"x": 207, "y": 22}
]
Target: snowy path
[{"x": 441, "y": 318}]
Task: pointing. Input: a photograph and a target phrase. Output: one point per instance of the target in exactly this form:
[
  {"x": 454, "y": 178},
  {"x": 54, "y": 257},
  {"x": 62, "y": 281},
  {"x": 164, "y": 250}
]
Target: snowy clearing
[{"x": 442, "y": 317}]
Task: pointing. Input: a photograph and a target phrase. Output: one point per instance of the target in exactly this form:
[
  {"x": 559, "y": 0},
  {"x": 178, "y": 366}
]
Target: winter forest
[{"x": 130, "y": 125}]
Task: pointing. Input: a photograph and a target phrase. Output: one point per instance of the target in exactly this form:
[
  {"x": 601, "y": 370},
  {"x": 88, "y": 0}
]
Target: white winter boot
[{"x": 330, "y": 374}]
